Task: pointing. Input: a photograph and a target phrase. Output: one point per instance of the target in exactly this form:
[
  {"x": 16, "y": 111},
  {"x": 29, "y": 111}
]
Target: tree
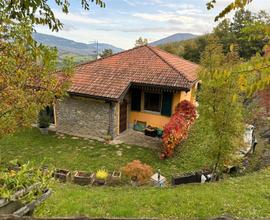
[
  {"x": 220, "y": 107},
  {"x": 246, "y": 30},
  {"x": 106, "y": 53},
  {"x": 141, "y": 42},
  {"x": 28, "y": 82},
  {"x": 28, "y": 79}
]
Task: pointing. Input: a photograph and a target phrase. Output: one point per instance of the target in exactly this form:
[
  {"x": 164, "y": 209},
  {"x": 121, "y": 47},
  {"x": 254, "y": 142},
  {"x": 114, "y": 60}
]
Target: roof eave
[{"x": 93, "y": 96}]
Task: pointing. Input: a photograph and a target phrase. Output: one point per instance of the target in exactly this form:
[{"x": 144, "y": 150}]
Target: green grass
[
  {"x": 30, "y": 145},
  {"x": 247, "y": 196}
]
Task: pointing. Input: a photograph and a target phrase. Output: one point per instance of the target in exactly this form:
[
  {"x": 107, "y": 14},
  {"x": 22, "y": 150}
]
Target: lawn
[
  {"x": 88, "y": 155},
  {"x": 246, "y": 196}
]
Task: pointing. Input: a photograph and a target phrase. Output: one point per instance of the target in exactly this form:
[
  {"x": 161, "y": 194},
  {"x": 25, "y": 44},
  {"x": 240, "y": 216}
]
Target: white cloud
[{"x": 78, "y": 18}]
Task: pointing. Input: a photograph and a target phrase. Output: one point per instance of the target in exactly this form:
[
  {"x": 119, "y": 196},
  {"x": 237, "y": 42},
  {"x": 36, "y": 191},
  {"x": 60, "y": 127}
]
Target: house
[{"x": 110, "y": 95}]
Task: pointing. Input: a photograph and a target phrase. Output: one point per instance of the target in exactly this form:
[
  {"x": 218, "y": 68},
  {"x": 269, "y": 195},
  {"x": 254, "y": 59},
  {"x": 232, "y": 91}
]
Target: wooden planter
[
  {"x": 185, "y": 179},
  {"x": 17, "y": 208},
  {"x": 62, "y": 175},
  {"x": 83, "y": 178},
  {"x": 116, "y": 176}
]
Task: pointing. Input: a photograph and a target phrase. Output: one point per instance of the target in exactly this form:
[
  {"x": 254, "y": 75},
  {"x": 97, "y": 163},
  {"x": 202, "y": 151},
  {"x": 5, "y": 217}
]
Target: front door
[{"x": 123, "y": 116}]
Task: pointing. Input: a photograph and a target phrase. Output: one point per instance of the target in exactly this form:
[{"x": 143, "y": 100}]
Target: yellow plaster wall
[
  {"x": 157, "y": 120},
  {"x": 154, "y": 119}
]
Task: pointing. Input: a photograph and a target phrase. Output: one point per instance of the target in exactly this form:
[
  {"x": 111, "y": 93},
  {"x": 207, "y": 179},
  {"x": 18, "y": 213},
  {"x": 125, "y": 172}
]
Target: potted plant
[
  {"x": 43, "y": 122},
  {"x": 22, "y": 190},
  {"x": 138, "y": 172},
  {"x": 62, "y": 175},
  {"x": 83, "y": 178},
  {"x": 101, "y": 177}
]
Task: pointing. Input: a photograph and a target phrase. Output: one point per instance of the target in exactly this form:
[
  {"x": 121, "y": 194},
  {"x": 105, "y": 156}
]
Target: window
[{"x": 152, "y": 102}]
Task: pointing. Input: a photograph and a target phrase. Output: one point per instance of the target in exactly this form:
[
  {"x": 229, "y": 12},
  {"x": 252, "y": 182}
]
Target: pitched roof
[{"x": 110, "y": 77}]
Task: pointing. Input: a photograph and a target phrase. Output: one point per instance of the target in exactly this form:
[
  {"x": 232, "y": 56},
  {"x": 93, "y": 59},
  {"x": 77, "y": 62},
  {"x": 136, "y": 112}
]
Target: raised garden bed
[
  {"x": 62, "y": 175},
  {"x": 196, "y": 177},
  {"x": 15, "y": 206},
  {"x": 83, "y": 178}
]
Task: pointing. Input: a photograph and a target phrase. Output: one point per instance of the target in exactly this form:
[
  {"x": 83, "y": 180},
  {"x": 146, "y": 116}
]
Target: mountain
[
  {"x": 70, "y": 47},
  {"x": 174, "y": 38}
]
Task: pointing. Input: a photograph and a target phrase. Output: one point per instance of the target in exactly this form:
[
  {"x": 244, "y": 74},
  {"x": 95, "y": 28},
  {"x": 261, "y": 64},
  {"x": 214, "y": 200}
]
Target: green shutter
[
  {"x": 167, "y": 104},
  {"x": 136, "y": 100}
]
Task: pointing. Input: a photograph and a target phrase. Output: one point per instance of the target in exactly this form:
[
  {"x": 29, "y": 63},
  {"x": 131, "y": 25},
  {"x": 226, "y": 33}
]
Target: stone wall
[{"x": 83, "y": 117}]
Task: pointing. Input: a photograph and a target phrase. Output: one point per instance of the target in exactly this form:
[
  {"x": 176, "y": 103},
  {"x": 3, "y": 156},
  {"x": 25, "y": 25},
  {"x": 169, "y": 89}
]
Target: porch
[{"x": 132, "y": 137}]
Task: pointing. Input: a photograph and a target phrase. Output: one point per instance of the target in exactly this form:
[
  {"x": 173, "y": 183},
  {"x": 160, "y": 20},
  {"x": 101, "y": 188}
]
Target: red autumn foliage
[
  {"x": 177, "y": 128},
  {"x": 187, "y": 110}
]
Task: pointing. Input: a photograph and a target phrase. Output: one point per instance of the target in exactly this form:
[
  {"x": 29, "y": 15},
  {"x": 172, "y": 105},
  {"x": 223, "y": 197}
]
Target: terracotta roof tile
[{"x": 109, "y": 77}]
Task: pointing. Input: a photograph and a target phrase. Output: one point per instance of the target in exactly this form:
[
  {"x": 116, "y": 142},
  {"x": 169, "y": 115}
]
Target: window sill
[{"x": 152, "y": 112}]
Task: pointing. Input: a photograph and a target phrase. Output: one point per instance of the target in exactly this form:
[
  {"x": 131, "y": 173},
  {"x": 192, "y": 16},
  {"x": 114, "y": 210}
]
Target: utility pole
[
  {"x": 97, "y": 49},
  {"x": 95, "y": 42}
]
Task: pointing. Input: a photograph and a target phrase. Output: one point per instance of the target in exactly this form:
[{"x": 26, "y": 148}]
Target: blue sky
[{"x": 121, "y": 22}]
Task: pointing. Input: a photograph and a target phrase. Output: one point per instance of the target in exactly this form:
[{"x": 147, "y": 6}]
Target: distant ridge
[
  {"x": 72, "y": 47},
  {"x": 174, "y": 38}
]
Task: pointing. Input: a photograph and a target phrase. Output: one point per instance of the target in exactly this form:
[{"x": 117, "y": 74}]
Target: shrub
[
  {"x": 177, "y": 129},
  {"x": 43, "y": 119},
  {"x": 102, "y": 174},
  {"x": 27, "y": 176},
  {"x": 187, "y": 110},
  {"x": 138, "y": 171}
]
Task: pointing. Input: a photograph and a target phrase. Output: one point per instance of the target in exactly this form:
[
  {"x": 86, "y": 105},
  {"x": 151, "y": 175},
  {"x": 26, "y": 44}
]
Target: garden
[{"x": 124, "y": 200}]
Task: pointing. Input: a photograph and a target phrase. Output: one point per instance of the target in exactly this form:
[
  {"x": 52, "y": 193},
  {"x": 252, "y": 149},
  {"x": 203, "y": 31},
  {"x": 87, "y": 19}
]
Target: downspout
[{"x": 111, "y": 120}]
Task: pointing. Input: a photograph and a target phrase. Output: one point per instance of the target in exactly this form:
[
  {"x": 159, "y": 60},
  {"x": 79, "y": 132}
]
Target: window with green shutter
[{"x": 167, "y": 104}]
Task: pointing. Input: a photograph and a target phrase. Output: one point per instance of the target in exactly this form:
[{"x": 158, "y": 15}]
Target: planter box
[
  {"x": 17, "y": 208},
  {"x": 83, "y": 178},
  {"x": 191, "y": 178},
  {"x": 150, "y": 132},
  {"x": 62, "y": 175},
  {"x": 9, "y": 207},
  {"x": 116, "y": 176},
  {"x": 185, "y": 179}
]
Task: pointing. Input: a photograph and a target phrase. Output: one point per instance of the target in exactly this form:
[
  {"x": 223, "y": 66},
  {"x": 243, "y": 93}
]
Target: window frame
[{"x": 160, "y": 103}]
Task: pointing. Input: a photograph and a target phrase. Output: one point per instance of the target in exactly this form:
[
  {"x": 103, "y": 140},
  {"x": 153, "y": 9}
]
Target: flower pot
[
  {"x": 44, "y": 130},
  {"x": 62, "y": 175},
  {"x": 99, "y": 182},
  {"x": 83, "y": 178},
  {"x": 134, "y": 181}
]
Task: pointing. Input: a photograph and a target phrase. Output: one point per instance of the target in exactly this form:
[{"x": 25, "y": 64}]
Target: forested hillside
[{"x": 245, "y": 31}]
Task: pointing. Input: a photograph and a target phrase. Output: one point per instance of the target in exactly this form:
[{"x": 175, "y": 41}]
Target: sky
[{"x": 121, "y": 22}]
